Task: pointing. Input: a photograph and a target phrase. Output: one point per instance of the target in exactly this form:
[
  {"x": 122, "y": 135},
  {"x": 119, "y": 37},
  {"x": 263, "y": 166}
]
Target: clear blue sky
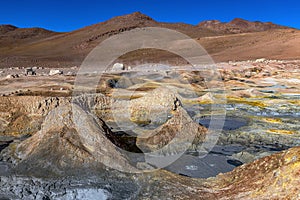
[{"x": 64, "y": 15}]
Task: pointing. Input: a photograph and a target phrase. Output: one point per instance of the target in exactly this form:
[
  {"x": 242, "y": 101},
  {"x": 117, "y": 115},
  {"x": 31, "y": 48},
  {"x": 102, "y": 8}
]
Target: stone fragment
[{"x": 55, "y": 72}]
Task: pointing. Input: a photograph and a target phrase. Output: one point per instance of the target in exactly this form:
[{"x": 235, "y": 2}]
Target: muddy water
[
  {"x": 230, "y": 123},
  {"x": 221, "y": 159},
  {"x": 217, "y": 161},
  {"x": 214, "y": 163},
  {"x": 224, "y": 157},
  {"x": 4, "y": 144}
]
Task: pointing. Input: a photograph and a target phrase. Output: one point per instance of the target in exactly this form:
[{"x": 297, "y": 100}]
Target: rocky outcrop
[
  {"x": 23, "y": 115},
  {"x": 162, "y": 126},
  {"x": 155, "y": 107},
  {"x": 70, "y": 138},
  {"x": 177, "y": 132}
]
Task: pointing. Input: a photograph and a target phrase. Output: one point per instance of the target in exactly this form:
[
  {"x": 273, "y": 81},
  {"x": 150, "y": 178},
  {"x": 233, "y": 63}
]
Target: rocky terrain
[
  {"x": 56, "y": 144},
  {"x": 273, "y": 177},
  {"x": 224, "y": 130}
]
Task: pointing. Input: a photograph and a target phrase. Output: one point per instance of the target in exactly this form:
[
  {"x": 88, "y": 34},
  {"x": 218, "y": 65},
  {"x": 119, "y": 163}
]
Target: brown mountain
[
  {"x": 14, "y": 36},
  {"x": 6, "y": 28},
  {"x": 239, "y": 25},
  {"x": 22, "y": 47}
]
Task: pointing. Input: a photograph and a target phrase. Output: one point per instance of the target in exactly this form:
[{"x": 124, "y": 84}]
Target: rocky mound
[
  {"x": 176, "y": 133},
  {"x": 70, "y": 139},
  {"x": 161, "y": 125}
]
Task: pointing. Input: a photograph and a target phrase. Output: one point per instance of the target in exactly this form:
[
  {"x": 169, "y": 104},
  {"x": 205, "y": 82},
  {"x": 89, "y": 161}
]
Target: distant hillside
[
  {"x": 22, "y": 47},
  {"x": 238, "y": 25}
]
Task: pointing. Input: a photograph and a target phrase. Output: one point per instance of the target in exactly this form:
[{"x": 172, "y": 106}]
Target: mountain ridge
[
  {"x": 140, "y": 16},
  {"x": 23, "y": 47},
  {"x": 239, "y": 25}
]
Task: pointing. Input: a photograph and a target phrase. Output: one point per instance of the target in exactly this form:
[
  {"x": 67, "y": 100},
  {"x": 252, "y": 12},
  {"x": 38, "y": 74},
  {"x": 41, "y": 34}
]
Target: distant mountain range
[
  {"x": 236, "y": 40},
  {"x": 238, "y": 25}
]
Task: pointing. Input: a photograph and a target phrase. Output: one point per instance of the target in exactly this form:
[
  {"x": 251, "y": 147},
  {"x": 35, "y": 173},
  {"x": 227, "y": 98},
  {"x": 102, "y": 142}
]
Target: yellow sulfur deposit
[{"x": 280, "y": 131}]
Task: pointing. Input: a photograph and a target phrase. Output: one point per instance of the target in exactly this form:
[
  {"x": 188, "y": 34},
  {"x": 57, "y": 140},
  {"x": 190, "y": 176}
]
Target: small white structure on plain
[
  {"x": 118, "y": 67},
  {"x": 260, "y": 60},
  {"x": 55, "y": 72}
]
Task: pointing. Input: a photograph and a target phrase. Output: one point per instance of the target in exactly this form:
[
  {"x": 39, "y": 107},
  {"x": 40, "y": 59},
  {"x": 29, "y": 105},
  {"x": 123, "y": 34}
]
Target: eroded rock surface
[
  {"x": 40, "y": 136},
  {"x": 70, "y": 138},
  {"x": 177, "y": 132},
  {"x": 272, "y": 177},
  {"x": 23, "y": 115}
]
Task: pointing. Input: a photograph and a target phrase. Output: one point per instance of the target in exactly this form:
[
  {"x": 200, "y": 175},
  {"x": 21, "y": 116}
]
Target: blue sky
[{"x": 64, "y": 15}]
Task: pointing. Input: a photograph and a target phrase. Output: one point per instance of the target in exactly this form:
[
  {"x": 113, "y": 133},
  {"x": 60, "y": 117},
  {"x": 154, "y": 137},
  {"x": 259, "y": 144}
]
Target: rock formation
[
  {"x": 70, "y": 139},
  {"x": 178, "y": 131}
]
